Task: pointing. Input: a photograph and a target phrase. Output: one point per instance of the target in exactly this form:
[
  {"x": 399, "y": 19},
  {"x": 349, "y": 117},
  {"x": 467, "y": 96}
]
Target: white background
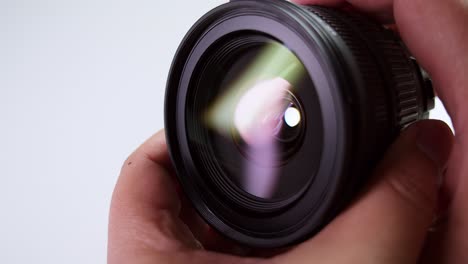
[{"x": 82, "y": 85}]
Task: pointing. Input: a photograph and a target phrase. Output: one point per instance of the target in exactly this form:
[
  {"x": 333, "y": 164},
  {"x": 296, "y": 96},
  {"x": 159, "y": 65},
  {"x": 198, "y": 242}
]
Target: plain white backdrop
[{"x": 82, "y": 85}]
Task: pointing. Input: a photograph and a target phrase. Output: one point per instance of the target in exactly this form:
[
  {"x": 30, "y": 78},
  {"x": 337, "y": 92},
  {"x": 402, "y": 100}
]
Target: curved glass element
[{"x": 255, "y": 108}]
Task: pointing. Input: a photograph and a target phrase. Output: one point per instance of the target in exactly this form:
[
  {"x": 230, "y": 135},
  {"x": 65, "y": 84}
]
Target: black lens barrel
[{"x": 366, "y": 89}]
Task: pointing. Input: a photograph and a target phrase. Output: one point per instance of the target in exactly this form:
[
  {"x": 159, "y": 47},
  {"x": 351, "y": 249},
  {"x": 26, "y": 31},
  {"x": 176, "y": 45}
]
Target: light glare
[{"x": 292, "y": 117}]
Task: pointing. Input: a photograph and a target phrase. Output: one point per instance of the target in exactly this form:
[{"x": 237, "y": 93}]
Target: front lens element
[{"x": 253, "y": 119}]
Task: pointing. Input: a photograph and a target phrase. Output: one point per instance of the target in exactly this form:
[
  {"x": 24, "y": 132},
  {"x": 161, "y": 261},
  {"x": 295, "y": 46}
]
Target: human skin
[{"x": 391, "y": 221}]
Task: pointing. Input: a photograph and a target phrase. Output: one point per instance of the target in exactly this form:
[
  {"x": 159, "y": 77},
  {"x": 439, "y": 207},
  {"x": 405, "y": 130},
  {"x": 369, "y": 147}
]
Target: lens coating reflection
[{"x": 255, "y": 119}]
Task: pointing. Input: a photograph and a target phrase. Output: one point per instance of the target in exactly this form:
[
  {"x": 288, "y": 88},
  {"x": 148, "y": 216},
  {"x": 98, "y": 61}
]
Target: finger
[
  {"x": 379, "y": 9},
  {"x": 442, "y": 51},
  {"x": 389, "y": 222},
  {"x": 437, "y": 34},
  {"x": 145, "y": 206},
  {"x": 193, "y": 257}
]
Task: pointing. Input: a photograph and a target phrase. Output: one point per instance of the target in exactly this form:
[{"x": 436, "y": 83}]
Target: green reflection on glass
[{"x": 273, "y": 61}]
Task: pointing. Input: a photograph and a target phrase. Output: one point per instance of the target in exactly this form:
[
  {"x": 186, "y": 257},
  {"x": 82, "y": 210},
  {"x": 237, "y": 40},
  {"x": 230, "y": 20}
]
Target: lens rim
[{"x": 310, "y": 44}]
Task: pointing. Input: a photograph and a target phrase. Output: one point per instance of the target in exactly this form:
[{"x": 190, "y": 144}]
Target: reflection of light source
[
  {"x": 292, "y": 117},
  {"x": 260, "y": 111}
]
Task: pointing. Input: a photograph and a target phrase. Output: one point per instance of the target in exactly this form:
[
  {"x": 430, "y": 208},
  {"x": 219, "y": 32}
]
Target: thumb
[{"x": 389, "y": 221}]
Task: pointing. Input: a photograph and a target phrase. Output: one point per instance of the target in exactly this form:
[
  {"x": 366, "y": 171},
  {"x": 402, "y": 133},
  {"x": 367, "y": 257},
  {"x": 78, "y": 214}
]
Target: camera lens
[{"x": 276, "y": 114}]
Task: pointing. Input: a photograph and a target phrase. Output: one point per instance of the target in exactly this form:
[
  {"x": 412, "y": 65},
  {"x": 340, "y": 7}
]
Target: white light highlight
[{"x": 292, "y": 117}]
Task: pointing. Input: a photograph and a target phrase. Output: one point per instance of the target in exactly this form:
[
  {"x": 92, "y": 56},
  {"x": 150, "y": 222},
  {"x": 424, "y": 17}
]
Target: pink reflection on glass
[{"x": 258, "y": 118}]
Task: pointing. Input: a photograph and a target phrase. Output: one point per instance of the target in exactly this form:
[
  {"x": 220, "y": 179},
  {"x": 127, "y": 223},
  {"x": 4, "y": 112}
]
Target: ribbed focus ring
[{"x": 364, "y": 37}]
